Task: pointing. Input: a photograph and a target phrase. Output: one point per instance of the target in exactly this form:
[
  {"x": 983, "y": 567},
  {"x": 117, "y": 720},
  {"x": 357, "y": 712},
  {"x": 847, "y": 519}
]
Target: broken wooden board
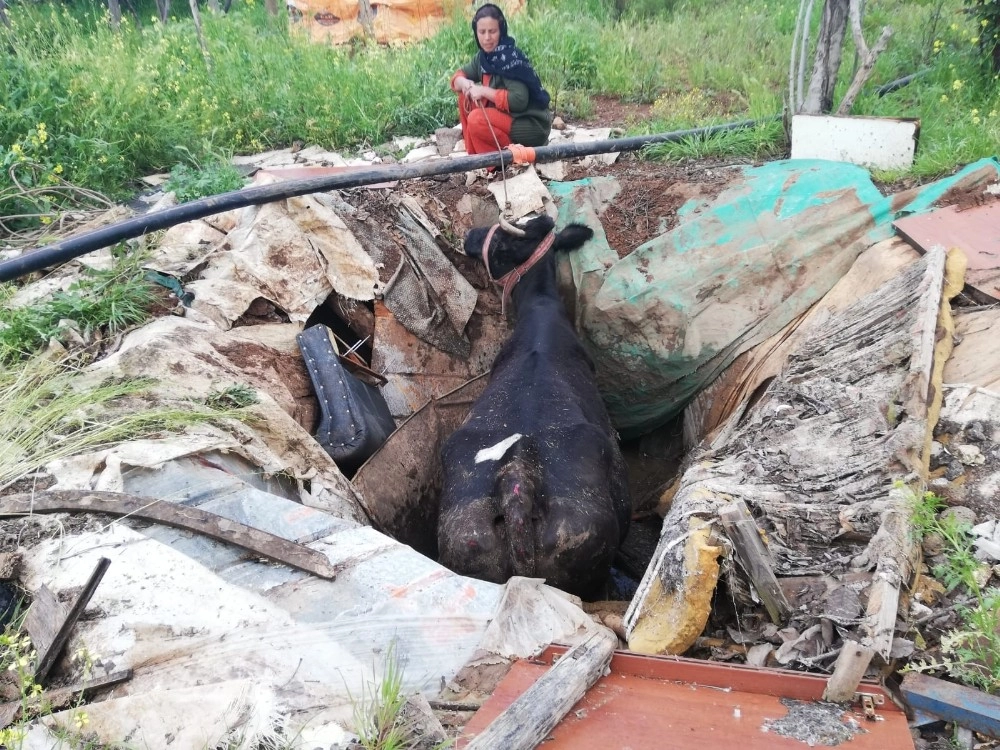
[
  {"x": 48, "y": 621},
  {"x": 733, "y": 390},
  {"x": 672, "y": 703},
  {"x": 527, "y": 721},
  {"x": 53, "y": 700},
  {"x": 401, "y": 481},
  {"x": 815, "y": 460},
  {"x": 976, "y": 358},
  {"x": 972, "y": 230},
  {"x": 222, "y": 529}
]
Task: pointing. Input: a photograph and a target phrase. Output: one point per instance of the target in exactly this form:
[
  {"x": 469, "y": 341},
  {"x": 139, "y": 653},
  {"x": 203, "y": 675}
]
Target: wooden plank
[
  {"x": 43, "y": 620},
  {"x": 756, "y": 560},
  {"x": 177, "y": 516},
  {"x": 528, "y": 720},
  {"x": 850, "y": 670},
  {"x": 54, "y": 700},
  {"x": 955, "y": 703},
  {"x": 49, "y": 623}
]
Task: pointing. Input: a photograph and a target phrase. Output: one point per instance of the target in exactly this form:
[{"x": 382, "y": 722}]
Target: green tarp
[{"x": 664, "y": 321}]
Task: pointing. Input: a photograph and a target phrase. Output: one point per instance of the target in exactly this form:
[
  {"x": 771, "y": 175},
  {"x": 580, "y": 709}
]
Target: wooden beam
[
  {"x": 48, "y": 621},
  {"x": 960, "y": 705},
  {"x": 527, "y": 721},
  {"x": 258, "y": 542},
  {"x": 54, "y": 700},
  {"x": 744, "y": 535},
  {"x": 850, "y": 670}
]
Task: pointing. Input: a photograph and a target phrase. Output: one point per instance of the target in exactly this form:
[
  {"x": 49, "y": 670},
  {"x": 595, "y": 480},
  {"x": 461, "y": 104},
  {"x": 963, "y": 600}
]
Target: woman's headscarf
[{"x": 507, "y": 60}]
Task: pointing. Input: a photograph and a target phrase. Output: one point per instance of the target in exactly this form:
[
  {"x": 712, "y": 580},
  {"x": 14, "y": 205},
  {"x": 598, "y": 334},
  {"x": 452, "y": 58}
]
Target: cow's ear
[
  {"x": 573, "y": 236},
  {"x": 474, "y": 242}
]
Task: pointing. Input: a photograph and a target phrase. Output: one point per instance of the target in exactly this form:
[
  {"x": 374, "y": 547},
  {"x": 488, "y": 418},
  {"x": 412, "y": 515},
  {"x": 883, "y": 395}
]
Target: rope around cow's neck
[{"x": 510, "y": 279}]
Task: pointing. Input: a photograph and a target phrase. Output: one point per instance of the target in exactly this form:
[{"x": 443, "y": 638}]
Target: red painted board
[
  {"x": 672, "y": 703},
  {"x": 976, "y": 231}
]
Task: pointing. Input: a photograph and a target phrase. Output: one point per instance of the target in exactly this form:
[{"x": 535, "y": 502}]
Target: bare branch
[{"x": 868, "y": 56}]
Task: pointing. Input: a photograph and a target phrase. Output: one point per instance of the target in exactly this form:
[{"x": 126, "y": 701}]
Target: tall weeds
[{"x": 99, "y": 108}]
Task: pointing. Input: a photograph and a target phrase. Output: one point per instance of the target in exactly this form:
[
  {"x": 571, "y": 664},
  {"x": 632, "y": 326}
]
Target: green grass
[
  {"x": 100, "y": 109},
  {"x": 968, "y": 653},
  {"x": 45, "y": 415},
  {"x": 105, "y": 302}
]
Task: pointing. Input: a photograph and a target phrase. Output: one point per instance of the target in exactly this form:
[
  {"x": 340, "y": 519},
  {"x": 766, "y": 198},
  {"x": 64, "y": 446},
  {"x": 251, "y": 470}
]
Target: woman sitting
[{"x": 500, "y": 98}]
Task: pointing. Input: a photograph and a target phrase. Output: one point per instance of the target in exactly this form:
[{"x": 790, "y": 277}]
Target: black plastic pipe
[
  {"x": 888, "y": 88},
  {"x": 74, "y": 247}
]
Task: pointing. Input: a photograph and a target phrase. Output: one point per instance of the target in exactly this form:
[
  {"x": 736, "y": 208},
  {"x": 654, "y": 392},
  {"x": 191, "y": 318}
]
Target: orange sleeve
[
  {"x": 455, "y": 77},
  {"x": 501, "y": 101}
]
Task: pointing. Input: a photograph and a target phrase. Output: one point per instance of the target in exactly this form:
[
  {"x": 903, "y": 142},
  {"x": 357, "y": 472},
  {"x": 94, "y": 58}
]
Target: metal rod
[{"x": 73, "y": 247}]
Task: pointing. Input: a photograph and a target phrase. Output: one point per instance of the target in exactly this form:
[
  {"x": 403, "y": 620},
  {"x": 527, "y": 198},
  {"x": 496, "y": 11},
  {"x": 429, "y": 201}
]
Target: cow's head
[{"x": 507, "y": 251}]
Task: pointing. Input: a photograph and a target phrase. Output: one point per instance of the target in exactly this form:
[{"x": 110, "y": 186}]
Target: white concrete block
[{"x": 874, "y": 142}]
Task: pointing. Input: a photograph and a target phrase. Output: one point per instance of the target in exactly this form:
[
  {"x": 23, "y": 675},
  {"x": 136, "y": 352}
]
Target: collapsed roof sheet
[{"x": 666, "y": 320}]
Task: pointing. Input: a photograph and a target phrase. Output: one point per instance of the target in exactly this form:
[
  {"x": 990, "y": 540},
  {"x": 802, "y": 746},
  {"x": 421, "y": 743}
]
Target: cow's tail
[{"x": 515, "y": 496}]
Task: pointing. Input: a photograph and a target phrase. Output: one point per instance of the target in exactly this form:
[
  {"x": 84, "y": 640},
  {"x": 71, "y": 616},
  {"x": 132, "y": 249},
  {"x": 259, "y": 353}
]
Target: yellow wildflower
[
  {"x": 957, "y": 84},
  {"x": 58, "y": 169},
  {"x": 80, "y": 719},
  {"x": 944, "y": 98}
]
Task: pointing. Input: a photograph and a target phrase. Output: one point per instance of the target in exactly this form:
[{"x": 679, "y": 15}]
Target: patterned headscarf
[{"x": 507, "y": 60}]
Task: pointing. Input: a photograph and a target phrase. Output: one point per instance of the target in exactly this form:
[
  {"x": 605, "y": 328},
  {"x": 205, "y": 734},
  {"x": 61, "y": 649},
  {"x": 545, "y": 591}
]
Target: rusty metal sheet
[
  {"x": 973, "y": 230},
  {"x": 401, "y": 481},
  {"x": 418, "y": 371},
  {"x": 673, "y": 703}
]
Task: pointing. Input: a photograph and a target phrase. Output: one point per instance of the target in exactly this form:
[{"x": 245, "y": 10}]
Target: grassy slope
[{"x": 101, "y": 109}]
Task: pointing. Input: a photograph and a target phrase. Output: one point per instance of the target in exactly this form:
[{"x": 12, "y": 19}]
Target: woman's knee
[{"x": 477, "y": 119}]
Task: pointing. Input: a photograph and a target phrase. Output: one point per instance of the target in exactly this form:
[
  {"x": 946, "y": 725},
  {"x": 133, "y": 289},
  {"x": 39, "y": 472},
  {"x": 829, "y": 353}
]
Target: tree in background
[
  {"x": 987, "y": 15},
  {"x": 818, "y": 97}
]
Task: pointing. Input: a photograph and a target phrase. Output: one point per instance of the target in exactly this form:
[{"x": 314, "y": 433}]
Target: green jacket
[{"x": 531, "y": 127}]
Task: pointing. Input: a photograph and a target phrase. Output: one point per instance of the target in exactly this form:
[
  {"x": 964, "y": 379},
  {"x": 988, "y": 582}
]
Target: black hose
[
  {"x": 888, "y": 88},
  {"x": 60, "y": 252}
]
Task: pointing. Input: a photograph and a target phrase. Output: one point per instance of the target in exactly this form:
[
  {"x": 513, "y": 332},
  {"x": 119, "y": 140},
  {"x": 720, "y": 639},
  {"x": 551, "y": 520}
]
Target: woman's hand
[
  {"x": 478, "y": 92},
  {"x": 462, "y": 85}
]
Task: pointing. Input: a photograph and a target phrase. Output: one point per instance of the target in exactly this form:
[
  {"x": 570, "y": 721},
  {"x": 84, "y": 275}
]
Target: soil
[{"x": 651, "y": 195}]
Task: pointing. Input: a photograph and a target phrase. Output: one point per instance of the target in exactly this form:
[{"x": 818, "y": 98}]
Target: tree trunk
[
  {"x": 3, "y": 14},
  {"x": 135, "y": 13},
  {"x": 196, "y": 17},
  {"x": 163, "y": 8},
  {"x": 826, "y": 63},
  {"x": 115, "y": 8},
  {"x": 272, "y": 7},
  {"x": 866, "y": 55},
  {"x": 366, "y": 17}
]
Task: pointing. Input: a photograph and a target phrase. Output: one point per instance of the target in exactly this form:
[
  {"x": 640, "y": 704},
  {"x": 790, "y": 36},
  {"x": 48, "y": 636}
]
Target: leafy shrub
[
  {"x": 987, "y": 16},
  {"x": 191, "y": 183}
]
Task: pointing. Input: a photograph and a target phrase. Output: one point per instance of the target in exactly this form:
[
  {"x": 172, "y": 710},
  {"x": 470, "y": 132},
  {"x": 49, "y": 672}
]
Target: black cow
[{"x": 534, "y": 480}]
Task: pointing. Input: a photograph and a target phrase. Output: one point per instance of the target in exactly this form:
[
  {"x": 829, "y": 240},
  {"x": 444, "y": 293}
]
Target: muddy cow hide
[{"x": 534, "y": 480}]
